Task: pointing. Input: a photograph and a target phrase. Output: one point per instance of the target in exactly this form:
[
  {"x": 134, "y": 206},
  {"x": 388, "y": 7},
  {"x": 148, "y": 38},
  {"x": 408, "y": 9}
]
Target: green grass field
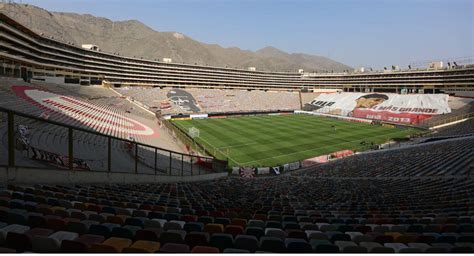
[{"x": 274, "y": 140}]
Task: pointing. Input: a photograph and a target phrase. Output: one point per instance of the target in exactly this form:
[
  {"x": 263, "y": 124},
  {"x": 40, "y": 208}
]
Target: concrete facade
[{"x": 50, "y": 176}]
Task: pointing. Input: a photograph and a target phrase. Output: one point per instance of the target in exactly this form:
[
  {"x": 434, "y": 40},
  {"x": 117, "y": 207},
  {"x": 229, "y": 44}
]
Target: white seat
[
  {"x": 12, "y": 228},
  {"x": 344, "y": 244},
  {"x": 370, "y": 245},
  {"x": 353, "y": 234},
  {"x": 275, "y": 232},
  {"x": 396, "y": 246},
  {"x": 421, "y": 246},
  {"x": 51, "y": 243}
]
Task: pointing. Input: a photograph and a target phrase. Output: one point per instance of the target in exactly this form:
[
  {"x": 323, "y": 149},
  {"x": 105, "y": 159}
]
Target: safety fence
[{"x": 36, "y": 142}]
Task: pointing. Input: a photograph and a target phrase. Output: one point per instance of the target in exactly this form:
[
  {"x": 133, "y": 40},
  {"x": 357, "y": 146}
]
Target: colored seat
[
  {"x": 255, "y": 231},
  {"x": 234, "y": 250},
  {"x": 239, "y": 222},
  {"x": 51, "y": 243},
  {"x": 175, "y": 248},
  {"x": 171, "y": 236},
  {"x": 142, "y": 246},
  {"x": 276, "y": 232},
  {"x": 80, "y": 244},
  {"x": 197, "y": 239},
  {"x": 234, "y": 230},
  {"x": 272, "y": 244},
  {"x": 77, "y": 227},
  {"x": 246, "y": 242},
  {"x": 204, "y": 249},
  {"x": 172, "y": 225},
  {"x": 212, "y": 228},
  {"x": 20, "y": 229},
  {"x": 101, "y": 230},
  {"x": 111, "y": 245},
  {"x": 354, "y": 249},
  {"x": 221, "y": 241},
  {"x": 148, "y": 234},
  {"x": 295, "y": 245},
  {"x": 395, "y": 246},
  {"x": 22, "y": 241},
  {"x": 327, "y": 248}
]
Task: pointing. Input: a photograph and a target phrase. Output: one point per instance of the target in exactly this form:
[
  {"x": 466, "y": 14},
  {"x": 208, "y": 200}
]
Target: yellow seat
[
  {"x": 393, "y": 234},
  {"x": 111, "y": 245},
  {"x": 142, "y": 246},
  {"x": 212, "y": 228}
]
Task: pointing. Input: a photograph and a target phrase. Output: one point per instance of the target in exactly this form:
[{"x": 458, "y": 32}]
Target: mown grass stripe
[{"x": 270, "y": 140}]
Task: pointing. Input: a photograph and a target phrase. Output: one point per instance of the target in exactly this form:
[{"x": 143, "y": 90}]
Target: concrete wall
[{"x": 44, "y": 176}]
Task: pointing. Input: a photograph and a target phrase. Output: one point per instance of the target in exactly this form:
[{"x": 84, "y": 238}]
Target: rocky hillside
[{"x": 133, "y": 38}]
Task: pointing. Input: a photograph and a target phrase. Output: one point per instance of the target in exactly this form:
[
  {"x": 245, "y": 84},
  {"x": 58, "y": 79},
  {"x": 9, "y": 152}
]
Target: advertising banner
[{"x": 315, "y": 160}]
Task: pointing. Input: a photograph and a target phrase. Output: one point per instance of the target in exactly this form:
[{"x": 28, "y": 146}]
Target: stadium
[{"x": 105, "y": 153}]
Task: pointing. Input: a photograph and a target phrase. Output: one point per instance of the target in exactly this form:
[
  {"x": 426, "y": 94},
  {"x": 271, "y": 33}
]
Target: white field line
[
  {"x": 308, "y": 150},
  {"x": 246, "y": 144},
  {"x": 255, "y": 143}
]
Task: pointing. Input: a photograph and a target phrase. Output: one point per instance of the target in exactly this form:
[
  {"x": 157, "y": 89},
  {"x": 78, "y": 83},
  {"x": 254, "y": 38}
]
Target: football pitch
[{"x": 269, "y": 140}]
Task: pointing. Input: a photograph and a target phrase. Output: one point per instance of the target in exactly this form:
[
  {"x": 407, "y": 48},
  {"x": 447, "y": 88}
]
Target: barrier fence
[{"x": 36, "y": 142}]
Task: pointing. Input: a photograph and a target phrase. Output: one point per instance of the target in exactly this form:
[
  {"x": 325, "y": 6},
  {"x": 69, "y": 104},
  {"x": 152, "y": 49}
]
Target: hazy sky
[{"x": 358, "y": 33}]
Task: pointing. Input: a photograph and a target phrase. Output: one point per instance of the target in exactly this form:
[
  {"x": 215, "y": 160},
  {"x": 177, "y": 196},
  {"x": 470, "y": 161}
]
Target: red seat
[
  {"x": 57, "y": 224},
  {"x": 239, "y": 222},
  {"x": 189, "y": 218},
  {"x": 80, "y": 244},
  {"x": 22, "y": 242},
  {"x": 234, "y": 230},
  {"x": 196, "y": 239},
  {"x": 204, "y": 249},
  {"x": 175, "y": 248},
  {"x": 217, "y": 214},
  {"x": 148, "y": 234}
]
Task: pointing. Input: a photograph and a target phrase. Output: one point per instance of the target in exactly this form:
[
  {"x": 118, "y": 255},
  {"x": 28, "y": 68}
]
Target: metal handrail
[
  {"x": 70, "y": 130},
  {"x": 17, "y": 113}
]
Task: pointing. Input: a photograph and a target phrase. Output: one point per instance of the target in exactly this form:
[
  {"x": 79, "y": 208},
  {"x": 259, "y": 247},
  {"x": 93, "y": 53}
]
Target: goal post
[{"x": 193, "y": 132}]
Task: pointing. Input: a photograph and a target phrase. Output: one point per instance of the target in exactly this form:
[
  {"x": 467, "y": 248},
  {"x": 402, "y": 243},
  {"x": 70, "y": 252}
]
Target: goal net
[{"x": 193, "y": 132}]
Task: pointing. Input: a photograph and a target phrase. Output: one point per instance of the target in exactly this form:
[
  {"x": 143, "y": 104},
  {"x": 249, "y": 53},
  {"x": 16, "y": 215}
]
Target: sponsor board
[{"x": 315, "y": 160}]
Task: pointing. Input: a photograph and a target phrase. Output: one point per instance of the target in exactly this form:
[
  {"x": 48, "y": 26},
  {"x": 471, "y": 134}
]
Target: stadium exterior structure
[{"x": 26, "y": 54}]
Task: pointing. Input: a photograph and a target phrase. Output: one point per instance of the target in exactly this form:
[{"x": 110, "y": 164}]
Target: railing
[{"x": 31, "y": 141}]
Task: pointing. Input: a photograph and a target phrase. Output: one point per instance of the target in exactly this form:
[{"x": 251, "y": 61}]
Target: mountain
[{"x": 133, "y": 38}]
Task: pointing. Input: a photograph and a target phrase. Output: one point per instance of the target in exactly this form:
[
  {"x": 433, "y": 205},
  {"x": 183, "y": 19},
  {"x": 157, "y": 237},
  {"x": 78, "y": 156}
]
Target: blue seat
[
  {"x": 134, "y": 222},
  {"x": 296, "y": 245},
  {"x": 171, "y": 237},
  {"x": 17, "y": 218},
  {"x": 122, "y": 232},
  {"x": 327, "y": 248},
  {"x": 155, "y": 215},
  {"x": 101, "y": 230},
  {"x": 108, "y": 209},
  {"x": 193, "y": 226},
  {"x": 255, "y": 231},
  {"x": 221, "y": 241},
  {"x": 246, "y": 242},
  {"x": 272, "y": 244}
]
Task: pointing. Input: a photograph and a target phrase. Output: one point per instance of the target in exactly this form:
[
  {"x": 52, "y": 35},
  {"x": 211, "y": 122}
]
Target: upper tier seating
[{"x": 175, "y": 101}]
